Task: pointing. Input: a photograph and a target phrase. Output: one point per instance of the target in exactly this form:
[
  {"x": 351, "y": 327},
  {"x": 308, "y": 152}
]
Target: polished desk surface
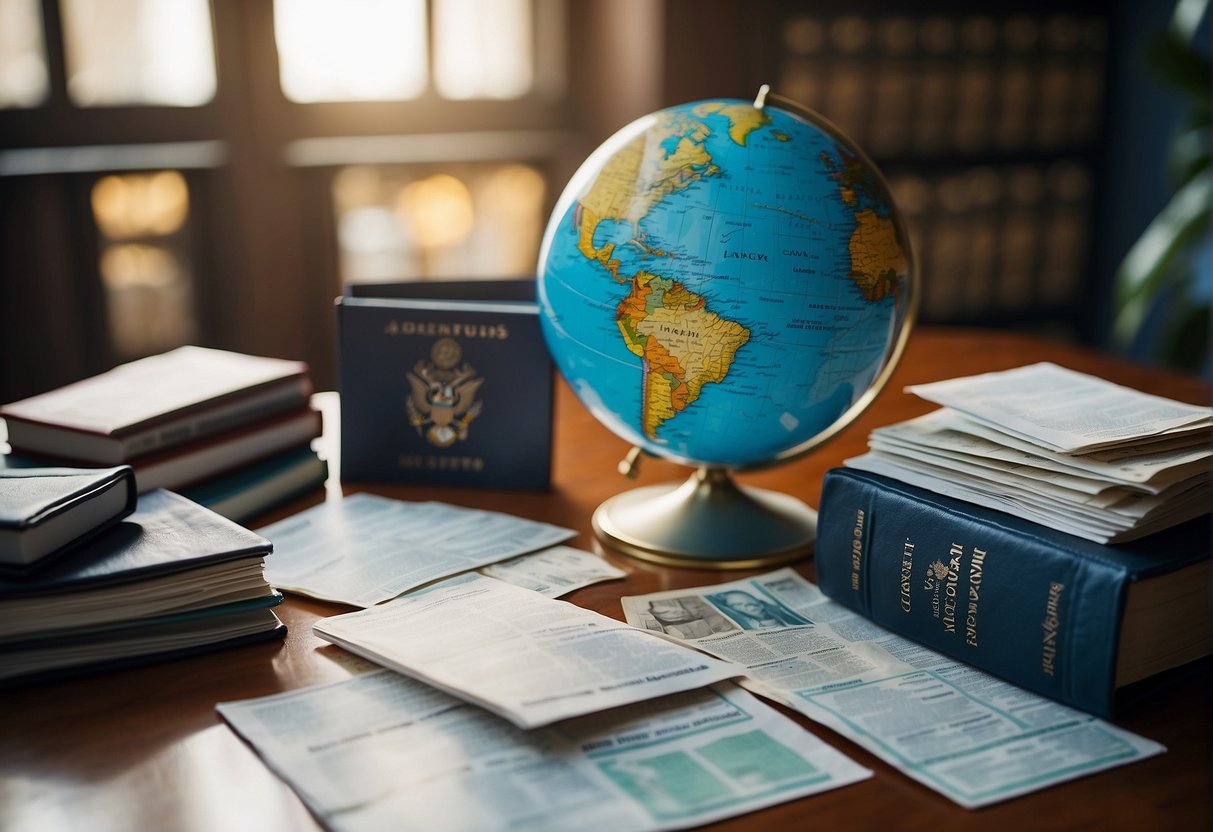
[{"x": 145, "y": 749}]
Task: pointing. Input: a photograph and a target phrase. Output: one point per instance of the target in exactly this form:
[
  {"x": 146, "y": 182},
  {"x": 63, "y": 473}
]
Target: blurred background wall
[{"x": 185, "y": 171}]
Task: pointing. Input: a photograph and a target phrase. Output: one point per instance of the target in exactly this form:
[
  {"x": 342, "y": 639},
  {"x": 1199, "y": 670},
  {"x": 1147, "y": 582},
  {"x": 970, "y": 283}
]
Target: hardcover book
[
  {"x": 44, "y": 511},
  {"x": 246, "y": 492},
  {"x": 155, "y": 403},
  {"x": 171, "y": 577},
  {"x": 1065, "y": 617},
  {"x": 444, "y": 391}
]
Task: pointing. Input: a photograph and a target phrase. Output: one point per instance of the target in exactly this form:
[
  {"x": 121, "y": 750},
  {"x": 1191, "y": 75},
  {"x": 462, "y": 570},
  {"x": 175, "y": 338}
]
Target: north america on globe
[{"x": 720, "y": 281}]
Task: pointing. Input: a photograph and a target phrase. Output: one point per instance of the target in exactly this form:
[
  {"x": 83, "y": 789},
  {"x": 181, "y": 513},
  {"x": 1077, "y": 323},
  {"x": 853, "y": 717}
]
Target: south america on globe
[{"x": 721, "y": 282}]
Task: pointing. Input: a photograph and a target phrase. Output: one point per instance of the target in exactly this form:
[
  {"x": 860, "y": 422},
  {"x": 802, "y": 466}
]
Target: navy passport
[{"x": 453, "y": 390}]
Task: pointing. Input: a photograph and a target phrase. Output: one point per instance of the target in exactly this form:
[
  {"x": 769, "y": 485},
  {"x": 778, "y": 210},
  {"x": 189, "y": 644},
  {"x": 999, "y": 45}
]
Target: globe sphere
[{"x": 726, "y": 284}]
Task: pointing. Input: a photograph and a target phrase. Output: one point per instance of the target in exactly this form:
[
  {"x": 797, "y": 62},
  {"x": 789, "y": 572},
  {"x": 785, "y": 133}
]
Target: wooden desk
[{"x": 144, "y": 748}]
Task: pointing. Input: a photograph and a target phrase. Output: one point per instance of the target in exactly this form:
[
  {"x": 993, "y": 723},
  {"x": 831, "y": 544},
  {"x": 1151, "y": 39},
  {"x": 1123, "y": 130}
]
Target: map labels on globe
[{"x": 720, "y": 282}]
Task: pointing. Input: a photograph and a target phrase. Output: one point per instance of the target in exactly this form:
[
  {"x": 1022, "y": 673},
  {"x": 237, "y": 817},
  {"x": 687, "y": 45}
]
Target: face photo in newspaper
[
  {"x": 688, "y": 618},
  {"x": 754, "y": 613}
]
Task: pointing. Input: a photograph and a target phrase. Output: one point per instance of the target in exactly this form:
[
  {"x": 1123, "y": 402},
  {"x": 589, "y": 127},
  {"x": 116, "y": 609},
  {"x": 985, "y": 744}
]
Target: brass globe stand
[{"x": 709, "y": 521}]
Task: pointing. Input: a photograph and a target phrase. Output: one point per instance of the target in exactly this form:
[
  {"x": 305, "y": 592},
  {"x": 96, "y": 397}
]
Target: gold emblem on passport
[{"x": 443, "y": 399}]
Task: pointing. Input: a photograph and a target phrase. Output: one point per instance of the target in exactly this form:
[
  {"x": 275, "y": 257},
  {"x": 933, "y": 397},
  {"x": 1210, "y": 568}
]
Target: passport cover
[
  {"x": 444, "y": 391},
  {"x": 1040, "y": 608}
]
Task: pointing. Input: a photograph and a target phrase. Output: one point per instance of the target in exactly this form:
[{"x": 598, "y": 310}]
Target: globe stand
[{"x": 709, "y": 522}]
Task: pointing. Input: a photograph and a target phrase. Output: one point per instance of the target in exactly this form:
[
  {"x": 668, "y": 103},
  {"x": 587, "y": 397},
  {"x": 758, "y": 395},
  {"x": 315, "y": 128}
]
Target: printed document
[
  {"x": 530, "y": 659},
  {"x": 970, "y": 736},
  {"x": 365, "y": 549},
  {"x": 554, "y": 572},
  {"x": 1065, "y": 410},
  {"x": 381, "y": 751}
]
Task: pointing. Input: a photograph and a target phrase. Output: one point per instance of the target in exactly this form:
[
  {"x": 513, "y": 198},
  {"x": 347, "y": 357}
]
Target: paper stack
[{"x": 1058, "y": 447}]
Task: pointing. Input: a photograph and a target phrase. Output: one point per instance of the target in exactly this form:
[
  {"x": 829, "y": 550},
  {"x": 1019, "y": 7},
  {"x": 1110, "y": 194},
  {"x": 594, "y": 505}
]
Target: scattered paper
[
  {"x": 554, "y": 572},
  {"x": 384, "y": 752},
  {"x": 971, "y": 737},
  {"x": 366, "y": 549},
  {"x": 1063, "y": 409},
  {"x": 530, "y": 659}
]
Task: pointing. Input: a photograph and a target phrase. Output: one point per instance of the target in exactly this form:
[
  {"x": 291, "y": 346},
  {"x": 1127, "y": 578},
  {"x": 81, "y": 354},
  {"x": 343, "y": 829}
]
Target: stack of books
[
  {"x": 1045, "y": 526},
  {"x": 231, "y": 431},
  {"x": 168, "y": 579},
  {"x": 1056, "y": 447}
]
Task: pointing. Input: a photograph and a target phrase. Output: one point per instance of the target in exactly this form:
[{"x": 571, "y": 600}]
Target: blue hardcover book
[
  {"x": 1081, "y": 622},
  {"x": 444, "y": 392},
  {"x": 252, "y": 490}
]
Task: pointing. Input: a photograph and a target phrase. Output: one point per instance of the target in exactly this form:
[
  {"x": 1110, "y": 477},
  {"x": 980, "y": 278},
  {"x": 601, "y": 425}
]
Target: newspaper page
[
  {"x": 971, "y": 737},
  {"x": 381, "y": 751},
  {"x": 554, "y": 572},
  {"x": 365, "y": 549},
  {"x": 530, "y": 659},
  {"x": 1064, "y": 410}
]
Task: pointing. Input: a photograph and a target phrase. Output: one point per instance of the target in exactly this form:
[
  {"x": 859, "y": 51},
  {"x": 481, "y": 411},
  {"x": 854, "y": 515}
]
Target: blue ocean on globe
[{"x": 720, "y": 282}]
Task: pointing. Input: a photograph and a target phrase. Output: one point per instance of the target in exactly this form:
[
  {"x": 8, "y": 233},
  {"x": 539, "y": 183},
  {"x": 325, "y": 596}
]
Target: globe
[{"x": 726, "y": 283}]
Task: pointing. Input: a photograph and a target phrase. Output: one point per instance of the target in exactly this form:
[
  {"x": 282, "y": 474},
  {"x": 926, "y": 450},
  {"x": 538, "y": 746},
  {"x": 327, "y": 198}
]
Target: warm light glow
[
  {"x": 427, "y": 222},
  {"x": 133, "y": 265},
  {"x": 437, "y": 210},
  {"x": 23, "y": 76},
  {"x": 140, "y": 205},
  {"x": 149, "y": 299},
  {"x": 139, "y": 52},
  {"x": 360, "y": 50},
  {"x": 482, "y": 48},
  {"x": 513, "y": 196}
]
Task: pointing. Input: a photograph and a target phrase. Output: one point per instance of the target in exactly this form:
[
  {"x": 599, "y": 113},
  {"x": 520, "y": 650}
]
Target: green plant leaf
[
  {"x": 1178, "y": 65},
  {"x": 1146, "y": 269},
  {"x": 1185, "y": 20}
]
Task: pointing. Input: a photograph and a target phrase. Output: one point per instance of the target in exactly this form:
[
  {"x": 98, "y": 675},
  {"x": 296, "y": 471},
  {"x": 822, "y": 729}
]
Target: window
[
  {"x": 364, "y": 51},
  {"x": 23, "y": 77},
  {"x": 378, "y": 50},
  {"x": 138, "y": 52},
  {"x": 212, "y": 172}
]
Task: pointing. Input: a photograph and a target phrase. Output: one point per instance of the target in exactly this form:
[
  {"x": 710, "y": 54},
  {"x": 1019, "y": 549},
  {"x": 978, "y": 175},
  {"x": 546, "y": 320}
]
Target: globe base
[{"x": 709, "y": 521}]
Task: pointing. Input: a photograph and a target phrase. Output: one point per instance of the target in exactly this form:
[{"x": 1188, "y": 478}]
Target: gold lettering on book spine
[
  {"x": 1050, "y": 627},
  {"x": 907, "y": 568},
  {"x": 955, "y": 555},
  {"x": 857, "y": 550},
  {"x": 977, "y": 568}
]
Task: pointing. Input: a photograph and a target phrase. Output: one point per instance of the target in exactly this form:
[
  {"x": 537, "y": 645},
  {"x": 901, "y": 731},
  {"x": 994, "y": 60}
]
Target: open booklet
[
  {"x": 973, "y": 738},
  {"x": 381, "y": 751},
  {"x": 531, "y": 659}
]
